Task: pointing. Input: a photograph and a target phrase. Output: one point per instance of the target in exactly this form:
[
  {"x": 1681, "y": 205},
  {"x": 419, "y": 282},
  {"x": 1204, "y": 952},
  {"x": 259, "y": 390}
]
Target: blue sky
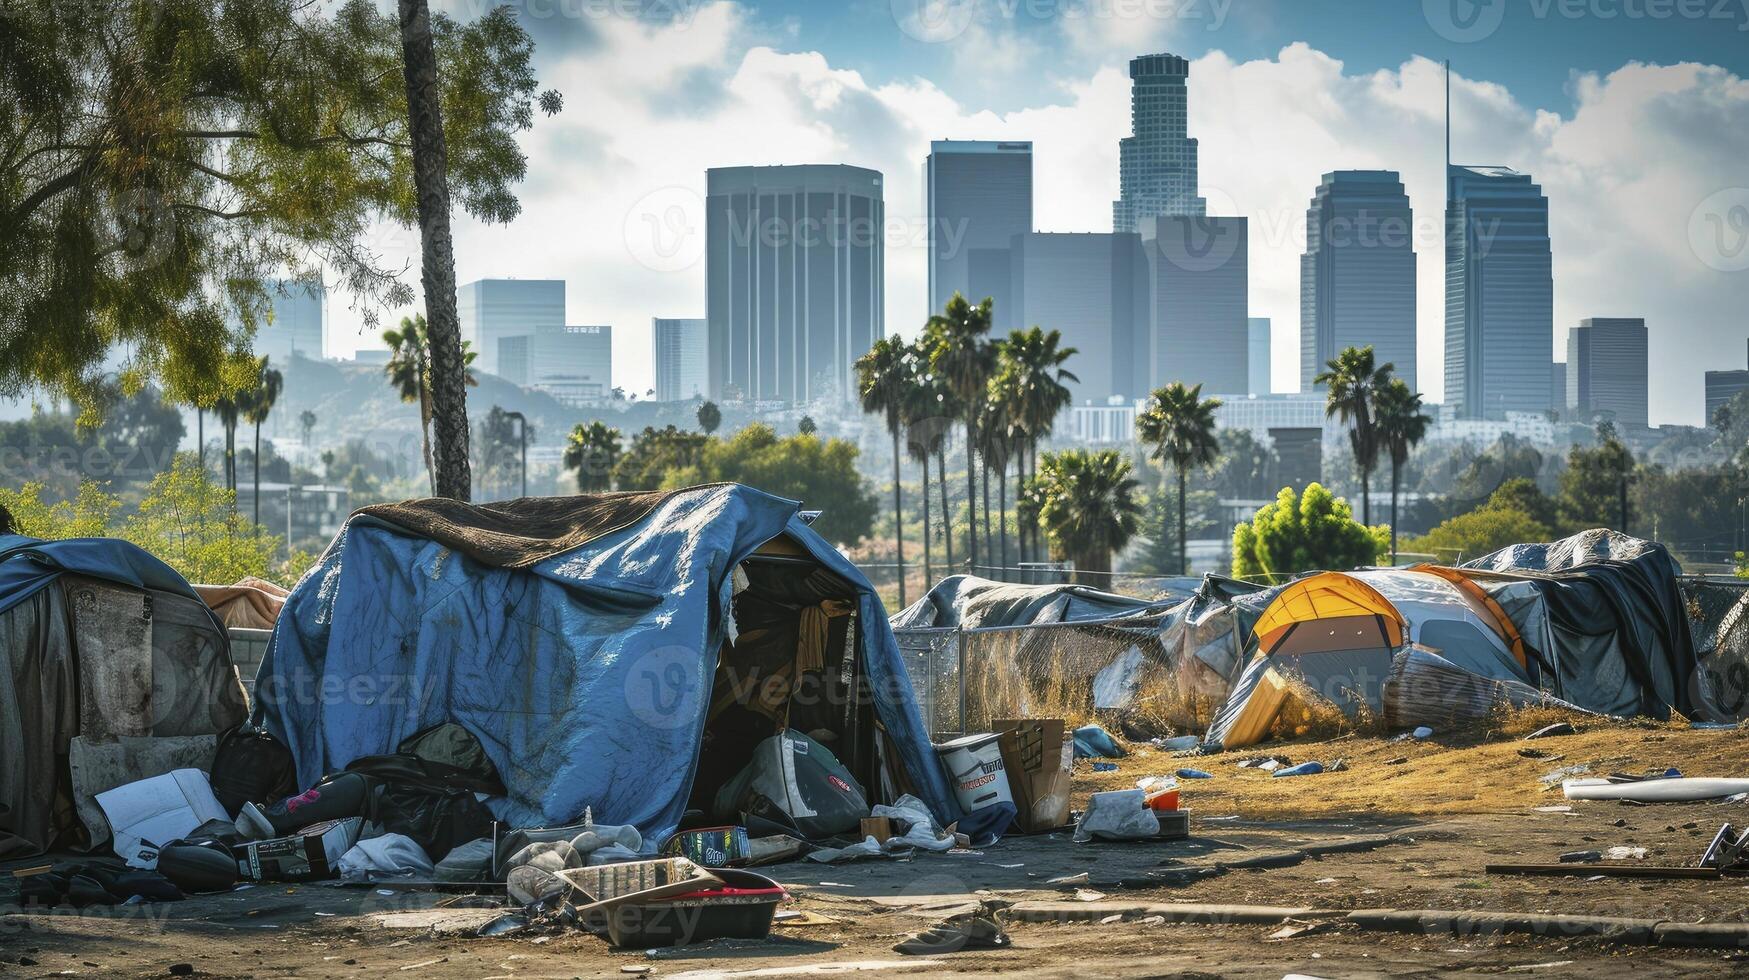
[{"x": 1632, "y": 114}]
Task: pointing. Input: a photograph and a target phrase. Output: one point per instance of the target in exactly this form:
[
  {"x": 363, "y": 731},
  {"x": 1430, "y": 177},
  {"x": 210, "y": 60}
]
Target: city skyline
[{"x": 1258, "y": 157}]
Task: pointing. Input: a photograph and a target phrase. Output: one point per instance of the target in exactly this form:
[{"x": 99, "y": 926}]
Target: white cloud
[{"x": 650, "y": 107}]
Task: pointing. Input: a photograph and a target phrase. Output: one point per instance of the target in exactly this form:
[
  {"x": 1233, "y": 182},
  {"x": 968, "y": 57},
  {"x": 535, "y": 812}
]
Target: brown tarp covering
[
  {"x": 250, "y": 603},
  {"x": 517, "y": 533}
]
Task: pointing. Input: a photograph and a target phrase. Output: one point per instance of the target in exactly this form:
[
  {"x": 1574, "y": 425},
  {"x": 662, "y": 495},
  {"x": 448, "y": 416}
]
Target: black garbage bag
[
  {"x": 426, "y": 790},
  {"x": 794, "y": 782}
]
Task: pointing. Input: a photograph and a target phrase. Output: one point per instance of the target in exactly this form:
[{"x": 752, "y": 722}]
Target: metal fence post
[{"x": 960, "y": 636}]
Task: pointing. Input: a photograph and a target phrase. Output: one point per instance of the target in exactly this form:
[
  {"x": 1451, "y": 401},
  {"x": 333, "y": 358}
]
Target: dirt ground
[{"x": 1455, "y": 806}]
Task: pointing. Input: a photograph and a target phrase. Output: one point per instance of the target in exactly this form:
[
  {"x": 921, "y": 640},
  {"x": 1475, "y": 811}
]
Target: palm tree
[
  {"x": 1180, "y": 424},
  {"x": 924, "y": 434},
  {"x": 883, "y": 381},
  {"x": 229, "y": 408},
  {"x": 709, "y": 417},
  {"x": 592, "y": 450},
  {"x": 1088, "y": 507},
  {"x": 1402, "y": 425},
  {"x": 1035, "y": 382},
  {"x": 929, "y": 411},
  {"x": 256, "y": 408},
  {"x": 307, "y": 423},
  {"x": 409, "y": 373},
  {"x": 1354, "y": 381},
  {"x": 447, "y": 377},
  {"x": 959, "y": 354},
  {"x": 1002, "y": 436},
  {"x": 807, "y": 426}
]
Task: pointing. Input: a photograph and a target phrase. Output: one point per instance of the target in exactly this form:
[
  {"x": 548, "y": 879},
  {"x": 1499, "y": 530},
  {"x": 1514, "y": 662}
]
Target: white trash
[
  {"x": 1117, "y": 815},
  {"x": 974, "y": 765}
]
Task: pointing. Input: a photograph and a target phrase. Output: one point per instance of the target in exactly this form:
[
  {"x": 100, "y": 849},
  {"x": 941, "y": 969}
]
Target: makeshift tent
[
  {"x": 598, "y": 646},
  {"x": 972, "y": 602},
  {"x": 1396, "y": 642},
  {"x": 111, "y": 670}
]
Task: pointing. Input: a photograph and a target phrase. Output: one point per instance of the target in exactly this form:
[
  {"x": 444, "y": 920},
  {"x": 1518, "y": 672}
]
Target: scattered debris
[
  {"x": 980, "y": 928},
  {"x": 1194, "y": 774},
  {"x": 1550, "y": 731}
]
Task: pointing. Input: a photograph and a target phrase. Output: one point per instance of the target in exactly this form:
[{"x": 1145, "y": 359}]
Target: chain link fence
[{"x": 1718, "y": 616}]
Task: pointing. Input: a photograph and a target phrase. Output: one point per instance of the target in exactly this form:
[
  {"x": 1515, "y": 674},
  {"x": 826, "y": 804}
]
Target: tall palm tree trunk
[
  {"x": 437, "y": 258},
  {"x": 971, "y": 496},
  {"x": 1365, "y": 497},
  {"x": 258, "y": 478},
  {"x": 946, "y": 515},
  {"x": 984, "y": 478},
  {"x": 1393, "y": 510},
  {"x": 1183, "y": 531},
  {"x": 1002, "y": 515},
  {"x": 928, "y": 569},
  {"x": 898, "y": 521},
  {"x": 200, "y": 437}
]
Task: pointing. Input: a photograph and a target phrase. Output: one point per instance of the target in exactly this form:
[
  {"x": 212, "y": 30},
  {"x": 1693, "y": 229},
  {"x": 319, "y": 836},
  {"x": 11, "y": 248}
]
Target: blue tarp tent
[{"x": 585, "y": 672}]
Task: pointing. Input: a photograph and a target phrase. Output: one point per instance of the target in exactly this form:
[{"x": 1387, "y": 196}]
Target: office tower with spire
[
  {"x": 1499, "y": 290},
  {"x": 1357, "y": 275},
  {"x": 1157, "y": 161}
]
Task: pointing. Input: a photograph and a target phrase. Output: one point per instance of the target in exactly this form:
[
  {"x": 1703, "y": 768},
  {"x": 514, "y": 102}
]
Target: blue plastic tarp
[
  {"x": 28, "y": 564},
  {"x": 586, "y": 677}
]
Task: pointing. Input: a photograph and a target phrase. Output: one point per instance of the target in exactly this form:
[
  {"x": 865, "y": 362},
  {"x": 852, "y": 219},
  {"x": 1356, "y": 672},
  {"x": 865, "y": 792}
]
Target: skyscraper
[
  {"x": 1499, "y": 293},
  {"x": 1157, "y": 161},
  {"x": 493, "y": 309},
  {"x": 979, "y": 196},
  {"x": 296, "y": 324},
  {"x": 1606, "y": 369},
  {"x": 1257, "y": 356},
  {"x": 795, "y": 269},
  {"x": 574, "y": 364},
  {"x": 1094, "y": 289},
  {"x": 681, "y": 351},
  {"x": 1357, "y": 275},
  {"x": 1720, "y": 388},
  {"x": 1198, "y": 306}
]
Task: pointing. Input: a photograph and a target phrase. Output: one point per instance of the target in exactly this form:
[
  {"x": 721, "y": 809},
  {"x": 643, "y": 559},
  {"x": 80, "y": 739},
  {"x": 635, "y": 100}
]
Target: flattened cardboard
[{"x": 1038, "y": 754}]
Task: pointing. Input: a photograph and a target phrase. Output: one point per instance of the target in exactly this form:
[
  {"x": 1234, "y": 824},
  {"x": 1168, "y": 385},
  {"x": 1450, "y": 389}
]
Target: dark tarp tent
[
  {"x": 114, "y": 670},
  {"x": 974, "y": 603},
  {"x": 599, "y": 647}
]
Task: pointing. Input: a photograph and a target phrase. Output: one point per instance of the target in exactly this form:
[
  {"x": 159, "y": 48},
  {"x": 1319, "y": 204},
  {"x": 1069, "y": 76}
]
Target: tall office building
[
  {"x": 1499, "y": 293},
  {"x": 1606, "y": 369},
  {"x": 795, "y": 269},
  {"x": 1558, "y": 388},
  {"x": 1721, "y": 387},
  {"x": 1157, "y": 161},
  {"x": 1257, "y": 356},
  {"x": 574, "y": 364},
  {"x": 299, "y": 311},
  {"x": 1198, "y": 308},
  {"x": 680, "y": 347},
  {"x": 493, "y": 309},
  {"x": 1357, "y": 275},
  {"x": 979, "y": 196},
  {"x": 1094, "y": 289}
]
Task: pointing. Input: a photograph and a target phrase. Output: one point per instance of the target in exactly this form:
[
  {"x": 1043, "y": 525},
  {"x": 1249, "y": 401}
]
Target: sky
[{"x": 1633, "y": 115}]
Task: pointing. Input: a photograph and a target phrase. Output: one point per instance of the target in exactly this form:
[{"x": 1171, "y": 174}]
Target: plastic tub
[{"x": 741, "y": 908}]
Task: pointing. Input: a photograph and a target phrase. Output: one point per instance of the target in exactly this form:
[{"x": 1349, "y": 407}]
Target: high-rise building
[
  {"x": 493, "y": 309},
  {"x": 979, "y": 196},
  {"x": 680, "y": 346},
  {"x": 1721, "y": 387},
  {"x": 1199, "y": 312},
  {"x": 1357, "y": 275},
  {"x": 1606, "y": 369},
  {"x": 1558, "y": 387},
  {"x": 1094, "y": 289},
  {"x": 1157, "y": 161},
  {"x": 795, "y": 269},
  {"x": 573, "y": 364},
  {"x": 295, "y": 326},
  {"x": 1499, "y": 293},
  {"x": 1257, "y": 356}
]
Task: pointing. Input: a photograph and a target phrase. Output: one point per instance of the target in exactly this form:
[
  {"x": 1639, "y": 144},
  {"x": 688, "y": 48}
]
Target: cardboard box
[
  {"x": 311, "y": 854},
  {"x": 880, "y": 828},
  {"x": 1037, "y": 753}
]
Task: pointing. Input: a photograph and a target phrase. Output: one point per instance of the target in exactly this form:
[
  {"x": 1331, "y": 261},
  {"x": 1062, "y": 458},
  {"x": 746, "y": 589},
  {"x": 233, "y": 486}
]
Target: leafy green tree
[
  {"x": 1299, "y": 533},
  {"x": 821, "y": 473},
  {"x": 307, "y": 427},
  {"x": 86, "y": 515},
  {"x": 806, "y": 426},
  {"x": 710, "y": 417},
  {"x": 1180, "y": 426},
  {"x": 1482, "y": 531},
  {"x": 654, "y": 453},
  {"x": 165, "y": 160},
  {"x": 1353, "y": 381},
  {"x": 1088, "y": 507},
  {"x": 593, "y": 450},
  {"x": 1401, "y": 427},
  {"x": 1594, "y": 485},
  {"x": 960, "y": 354},
  {"x": 1522, "y": 494},
  {"x": 883, "y": 380}
]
